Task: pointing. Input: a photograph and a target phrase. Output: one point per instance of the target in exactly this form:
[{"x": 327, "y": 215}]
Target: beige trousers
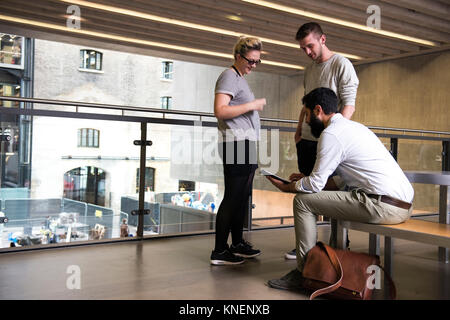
[{"x": 352, "y": 205}]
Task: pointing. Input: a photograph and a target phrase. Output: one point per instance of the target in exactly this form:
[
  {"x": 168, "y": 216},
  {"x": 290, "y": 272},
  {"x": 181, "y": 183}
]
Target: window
[
  {"x": 166, "y": 103},
  {"x": 11, "y": 51},
  {"x": 184, "y": 185},
  {"x": 88, "y": 138},
  {"x": 167, "y": 70},
  {"x": 11, "y": 90},
  {"x": 149, "y": 179},
  {"x": 91, "y": 60},
  {"x": 86, "y": 184}
]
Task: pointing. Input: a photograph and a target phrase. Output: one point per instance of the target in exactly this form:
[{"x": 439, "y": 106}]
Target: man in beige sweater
[{"x": 329, "y": 70}]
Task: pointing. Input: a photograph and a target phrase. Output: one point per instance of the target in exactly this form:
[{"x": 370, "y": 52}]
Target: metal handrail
[{"x": 181, "y": 112}]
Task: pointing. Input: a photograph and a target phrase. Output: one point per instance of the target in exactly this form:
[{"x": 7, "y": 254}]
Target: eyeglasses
[{"x": 252, "y": 62}]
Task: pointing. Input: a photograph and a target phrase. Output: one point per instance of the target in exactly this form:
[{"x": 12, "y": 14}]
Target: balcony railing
[{"x": 151, "y": 213}]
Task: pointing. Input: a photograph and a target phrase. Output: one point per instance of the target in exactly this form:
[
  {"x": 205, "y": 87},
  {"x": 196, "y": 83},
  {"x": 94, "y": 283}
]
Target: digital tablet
[{"x": 267, "y": 173}]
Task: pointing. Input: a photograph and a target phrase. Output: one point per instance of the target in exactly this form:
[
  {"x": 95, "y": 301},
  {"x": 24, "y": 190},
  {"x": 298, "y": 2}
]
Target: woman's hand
[
  {"x": 223, "y": 111},
  {"x": 258, "y": 104}
]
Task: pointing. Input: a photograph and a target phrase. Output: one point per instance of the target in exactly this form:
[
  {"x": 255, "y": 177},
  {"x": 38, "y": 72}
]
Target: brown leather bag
[{"x": 340, "y": 274}]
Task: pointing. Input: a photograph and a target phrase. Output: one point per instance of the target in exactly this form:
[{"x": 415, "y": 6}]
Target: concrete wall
[
  {"x": 406, "y": 93},
  {"x": 409, "y": 93}
]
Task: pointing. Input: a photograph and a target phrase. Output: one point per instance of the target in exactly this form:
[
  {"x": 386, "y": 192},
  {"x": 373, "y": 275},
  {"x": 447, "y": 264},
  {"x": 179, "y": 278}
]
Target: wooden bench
[{"x": 413, "y": 230}]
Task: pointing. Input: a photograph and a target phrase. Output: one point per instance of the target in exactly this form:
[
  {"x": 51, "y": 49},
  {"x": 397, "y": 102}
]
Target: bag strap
[{"x": 337, "y": 266}]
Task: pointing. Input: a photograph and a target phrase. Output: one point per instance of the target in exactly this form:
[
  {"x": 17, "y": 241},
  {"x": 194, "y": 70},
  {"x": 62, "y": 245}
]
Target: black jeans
[
  {"x": 238, "y": 188},
  {"x": 306, "y": 156}
]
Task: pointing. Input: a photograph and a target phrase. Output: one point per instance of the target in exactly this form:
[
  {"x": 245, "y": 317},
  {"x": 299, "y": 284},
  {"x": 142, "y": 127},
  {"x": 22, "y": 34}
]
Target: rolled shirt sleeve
[
  {"x": 330, "y": 154},
  {"x": 227, "y": 84},
  {"x": 348, "y": 84}
]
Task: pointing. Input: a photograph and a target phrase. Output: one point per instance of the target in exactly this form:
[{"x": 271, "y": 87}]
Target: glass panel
[
  {"x": 69, "y": 195},
  {"x": 10, "y": 90},
  {"x": 167, "y": 69},
  {"x": 96, "y": 142},
  {"x": 277, "y": 154},
  {"x": 11, "y": 49},
  {"x": 98, "y": 64},
  {"x": 79, "y": 138},
  {"x": 179, "y": 155},
  {"x": 90, "y": 138},
  {"x": 422, "y": 155},
  {"x": 84, "y": 59},
  {"x": 149, "y": 179},
  {"x": 83, "y": 137}
]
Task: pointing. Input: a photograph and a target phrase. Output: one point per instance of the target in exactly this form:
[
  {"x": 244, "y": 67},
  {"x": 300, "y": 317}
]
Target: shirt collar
[{"x": 336, "y": 117}]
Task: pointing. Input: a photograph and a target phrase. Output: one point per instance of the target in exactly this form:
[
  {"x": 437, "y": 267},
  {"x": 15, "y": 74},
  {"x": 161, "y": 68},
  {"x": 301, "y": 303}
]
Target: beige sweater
[{"x": 338, "y": 74}]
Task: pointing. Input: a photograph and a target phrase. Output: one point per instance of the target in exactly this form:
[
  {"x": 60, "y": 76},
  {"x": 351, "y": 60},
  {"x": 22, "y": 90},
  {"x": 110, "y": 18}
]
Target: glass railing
[{"x": 78, "y": 177}]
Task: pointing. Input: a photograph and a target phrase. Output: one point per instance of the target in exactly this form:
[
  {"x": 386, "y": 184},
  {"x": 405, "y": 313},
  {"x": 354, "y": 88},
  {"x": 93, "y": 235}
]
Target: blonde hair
[{"x": 246, "y": 44}]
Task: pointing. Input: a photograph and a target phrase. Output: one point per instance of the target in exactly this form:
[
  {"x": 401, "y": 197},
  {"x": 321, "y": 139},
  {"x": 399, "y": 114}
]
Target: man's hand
[
  {"x": 296, "y": 176},
  {"x": 347, "y": 111},
  {"x": 283, "y": 186}
]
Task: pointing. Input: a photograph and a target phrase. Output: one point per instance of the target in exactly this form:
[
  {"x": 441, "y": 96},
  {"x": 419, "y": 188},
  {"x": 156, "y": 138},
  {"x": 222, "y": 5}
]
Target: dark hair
[
  {"x": 307, "y": 28},
  {"x": 324, "y": 97}
]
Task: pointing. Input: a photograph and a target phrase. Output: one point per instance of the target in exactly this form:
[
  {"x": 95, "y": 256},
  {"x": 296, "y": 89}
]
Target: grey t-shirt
[
  {"x": 246, "y": 126},
  {"x": 338, "y": 74}
]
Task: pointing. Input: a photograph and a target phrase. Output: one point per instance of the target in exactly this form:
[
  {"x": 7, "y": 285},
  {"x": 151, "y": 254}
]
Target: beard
[
  {"x": 316, "y": 125},
  {"x": 317, "y": 56}
]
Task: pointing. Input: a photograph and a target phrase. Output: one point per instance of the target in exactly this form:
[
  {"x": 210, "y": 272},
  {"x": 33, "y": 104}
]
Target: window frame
[
  {"x": 88, "y": 138},
  {"x": 98, "y": 56},
  {"x": 166, "y": 102},
  {"x": 22, "y": 53},
  {"x": 167, "y": 75}
]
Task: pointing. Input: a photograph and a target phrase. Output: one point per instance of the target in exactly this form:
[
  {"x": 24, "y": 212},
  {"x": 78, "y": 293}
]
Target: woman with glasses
[{"x": 236, "y": 110}]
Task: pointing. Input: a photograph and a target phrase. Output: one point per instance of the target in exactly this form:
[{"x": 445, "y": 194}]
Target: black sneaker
[
  {"x": 291, "y": 255},
  {"x": 225, "y": 258},
  {"x": 292, "y": 281},
  {"x": 245, "y": 250}
]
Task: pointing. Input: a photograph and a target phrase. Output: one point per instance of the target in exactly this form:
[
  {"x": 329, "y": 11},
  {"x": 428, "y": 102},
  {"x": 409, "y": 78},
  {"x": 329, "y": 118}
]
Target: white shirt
[{"x": 360, "y": 160}]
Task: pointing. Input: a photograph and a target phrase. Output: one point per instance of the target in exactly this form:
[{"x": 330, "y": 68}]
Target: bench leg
[
  {"x": 374, "y": 244},
  {"x": 341, "y": 235},
  {"x": 334, "y": 233},
  {"x": 388, "y": 261},
  {"x": 443, "y": 254},
  {"x": 444, "y": 217}
]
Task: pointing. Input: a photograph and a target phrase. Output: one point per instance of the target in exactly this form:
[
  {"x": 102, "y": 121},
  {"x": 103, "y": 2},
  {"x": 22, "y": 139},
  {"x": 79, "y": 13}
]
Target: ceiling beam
[
  {"x": 430, "y": 7},
  {"x": 358, "y": 15},
  {"x": 417, "y": 19}
]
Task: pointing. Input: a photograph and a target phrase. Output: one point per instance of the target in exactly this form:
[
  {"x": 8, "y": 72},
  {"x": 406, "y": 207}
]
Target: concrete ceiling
[{"x": 154, "y": 27}]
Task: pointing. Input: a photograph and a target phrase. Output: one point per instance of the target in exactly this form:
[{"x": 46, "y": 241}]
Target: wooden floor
[{"x": 179, "y": 269}]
